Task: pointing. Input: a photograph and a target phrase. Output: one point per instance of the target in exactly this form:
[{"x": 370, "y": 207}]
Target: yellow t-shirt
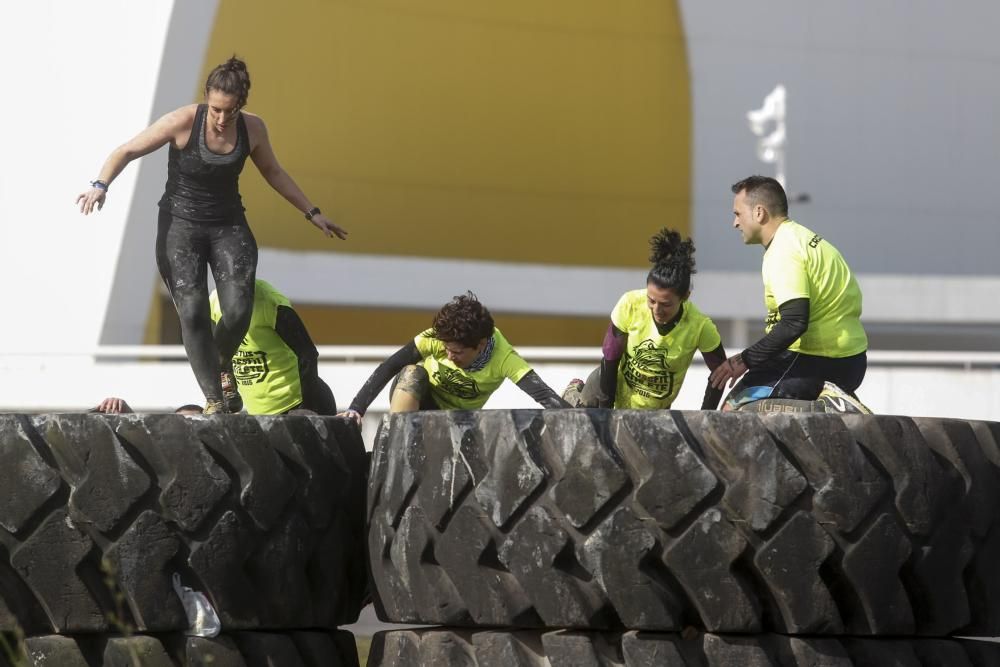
[
  {"x": 454, "y": 388},
  {"x": 265, "y": 368},
  {"x": 652, "y": 371},
  {"x": 800, "y": 264}
]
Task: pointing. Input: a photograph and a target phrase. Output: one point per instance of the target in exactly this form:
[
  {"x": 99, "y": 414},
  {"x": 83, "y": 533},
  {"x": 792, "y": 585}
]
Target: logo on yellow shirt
[
  {"x": 646, "y": 371},
  {"x": 250, "y": 366},
  {"x": 455, "y": 383}
]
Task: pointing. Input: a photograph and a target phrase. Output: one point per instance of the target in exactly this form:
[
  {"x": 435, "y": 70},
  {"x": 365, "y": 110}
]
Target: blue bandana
[{"x": 483, "y": 358}]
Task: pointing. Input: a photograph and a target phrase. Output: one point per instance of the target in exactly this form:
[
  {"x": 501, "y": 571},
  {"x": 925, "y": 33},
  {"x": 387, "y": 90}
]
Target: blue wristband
[{"x": 99, "y": 184}]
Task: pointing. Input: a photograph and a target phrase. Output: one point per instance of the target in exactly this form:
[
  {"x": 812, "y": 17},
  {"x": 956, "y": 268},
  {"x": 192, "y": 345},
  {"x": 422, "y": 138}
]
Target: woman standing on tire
[
  {"x": 652, "y": 338},
  {"x": 202, "y": 221}
]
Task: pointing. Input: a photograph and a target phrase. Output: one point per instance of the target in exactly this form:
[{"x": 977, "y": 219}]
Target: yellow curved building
[{"x": 502, "y": 134}]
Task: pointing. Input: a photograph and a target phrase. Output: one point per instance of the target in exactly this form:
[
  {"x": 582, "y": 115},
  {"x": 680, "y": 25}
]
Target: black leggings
[
  {"x": 317, "y": 399},
  {"x": 184, "y": 250},
  {"x": 801, "y": 376}
]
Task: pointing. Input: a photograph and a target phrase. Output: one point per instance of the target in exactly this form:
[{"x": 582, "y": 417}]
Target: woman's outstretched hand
[
  {"x": 327, "y": 227},
  {"x": 90, "y": 198}
]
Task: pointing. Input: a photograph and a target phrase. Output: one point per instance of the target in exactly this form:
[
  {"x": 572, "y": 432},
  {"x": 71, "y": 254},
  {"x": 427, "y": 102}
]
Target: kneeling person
[
  {"x": 815, "y": 346},
  {"x": 652, "y": 338},
  {"x": 275, "y": 369},
  {"x": 455, "y": 365}
]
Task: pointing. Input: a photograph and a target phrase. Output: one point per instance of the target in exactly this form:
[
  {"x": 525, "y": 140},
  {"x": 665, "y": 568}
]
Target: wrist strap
[
  {"x": 311, "y": 212},
  {"x": 99, "y": 184}
]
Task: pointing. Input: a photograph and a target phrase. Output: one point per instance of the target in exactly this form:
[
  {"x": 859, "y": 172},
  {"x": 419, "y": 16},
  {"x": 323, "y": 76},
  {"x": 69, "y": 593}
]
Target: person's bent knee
[
  {"x": 414, "y": 380},
  {"x": 411, "y": 387}
]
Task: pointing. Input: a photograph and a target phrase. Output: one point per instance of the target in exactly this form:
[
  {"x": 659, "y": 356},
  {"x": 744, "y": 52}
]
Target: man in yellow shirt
[
  {"x": 454, "y": 365},
  {"x": 814, "y": 342}
]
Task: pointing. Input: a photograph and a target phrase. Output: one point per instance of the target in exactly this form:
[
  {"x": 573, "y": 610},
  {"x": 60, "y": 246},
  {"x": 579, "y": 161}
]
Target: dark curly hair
[
  {"x": 232, "y": 78},
  {"x": 673, "y": 262},
  {"x": 463, "y": 320}
]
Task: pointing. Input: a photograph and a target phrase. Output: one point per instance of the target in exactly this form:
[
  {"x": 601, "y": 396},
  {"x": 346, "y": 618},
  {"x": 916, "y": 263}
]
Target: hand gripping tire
[{"x": 729, "y": 522}]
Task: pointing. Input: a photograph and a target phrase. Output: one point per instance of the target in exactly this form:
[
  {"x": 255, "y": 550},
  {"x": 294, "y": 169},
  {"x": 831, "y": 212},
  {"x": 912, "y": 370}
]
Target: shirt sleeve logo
[
  {"x": 646, "y": 371},
  {"x": 773, "y": 317}
]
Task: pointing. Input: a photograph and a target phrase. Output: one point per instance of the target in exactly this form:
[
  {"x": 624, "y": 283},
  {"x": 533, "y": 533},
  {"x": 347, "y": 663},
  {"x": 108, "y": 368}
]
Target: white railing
[
  {"x": 571, "y": 355},
  {"x": 156, "y": 378}
]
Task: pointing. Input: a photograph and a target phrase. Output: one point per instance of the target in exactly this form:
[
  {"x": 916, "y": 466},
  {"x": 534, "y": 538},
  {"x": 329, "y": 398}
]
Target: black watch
[{"x": 311, "y": 212}]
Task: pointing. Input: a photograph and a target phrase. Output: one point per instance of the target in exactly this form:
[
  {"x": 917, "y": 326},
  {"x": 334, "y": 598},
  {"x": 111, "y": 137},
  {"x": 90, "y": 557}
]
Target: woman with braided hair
[
  {"x": 652, "y": 338},
  {"x": 202, "y": 222}
]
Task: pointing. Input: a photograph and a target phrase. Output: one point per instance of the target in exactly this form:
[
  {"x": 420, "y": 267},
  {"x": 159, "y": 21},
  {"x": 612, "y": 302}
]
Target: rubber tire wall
[
  {"x": 239, "y": 649},
  {"x": 263, "y": 515},
  {"x": 729, "y": 522},
  {"x": 566, "y": 648}
]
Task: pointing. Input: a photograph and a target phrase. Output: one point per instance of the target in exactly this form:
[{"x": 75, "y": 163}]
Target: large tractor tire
[
  {"x": 567, "y": 648},
  {"x": 238, "y": 649},
  {"x": 729, "y": 522},
  {"x": 263, "y": 515}
]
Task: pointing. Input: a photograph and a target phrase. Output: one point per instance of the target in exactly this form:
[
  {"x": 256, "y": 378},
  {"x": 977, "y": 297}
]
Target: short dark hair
[
  {"x": 765, "y": 191},
  {"x": 232, "y": 78},
  {"x": 463, "y": 320}
]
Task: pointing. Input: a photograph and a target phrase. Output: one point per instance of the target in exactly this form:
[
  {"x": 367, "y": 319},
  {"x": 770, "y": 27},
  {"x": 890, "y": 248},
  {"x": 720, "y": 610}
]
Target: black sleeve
[
  {"x": 614, "y": 344},
  {"x": 403, "y": 357},
  {"x": 713, "y": 360},
  {"x": 793, "y": 323},
  {"x": 535, "y": 387},
  {"x": 290, "y": 328}
]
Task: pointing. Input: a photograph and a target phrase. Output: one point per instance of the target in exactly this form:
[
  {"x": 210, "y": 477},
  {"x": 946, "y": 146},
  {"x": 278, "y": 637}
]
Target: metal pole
[{"x": 771, "y": 147}]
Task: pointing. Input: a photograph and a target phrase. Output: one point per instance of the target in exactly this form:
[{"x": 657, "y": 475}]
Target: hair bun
[
  {"x": 673, "y": 261},
  {"x": 232, "y": 78},
  {"x": 667, "y": 247},
  {"x": 234, "y": 64}
]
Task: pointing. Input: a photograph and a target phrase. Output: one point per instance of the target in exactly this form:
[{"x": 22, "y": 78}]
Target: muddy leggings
[{"x": 184, "y": 251}]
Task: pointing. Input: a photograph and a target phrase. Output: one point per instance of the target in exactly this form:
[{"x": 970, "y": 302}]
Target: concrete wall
[
  {"x": 75, "y": 86},
  {"x": 891, "y": 130}
]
